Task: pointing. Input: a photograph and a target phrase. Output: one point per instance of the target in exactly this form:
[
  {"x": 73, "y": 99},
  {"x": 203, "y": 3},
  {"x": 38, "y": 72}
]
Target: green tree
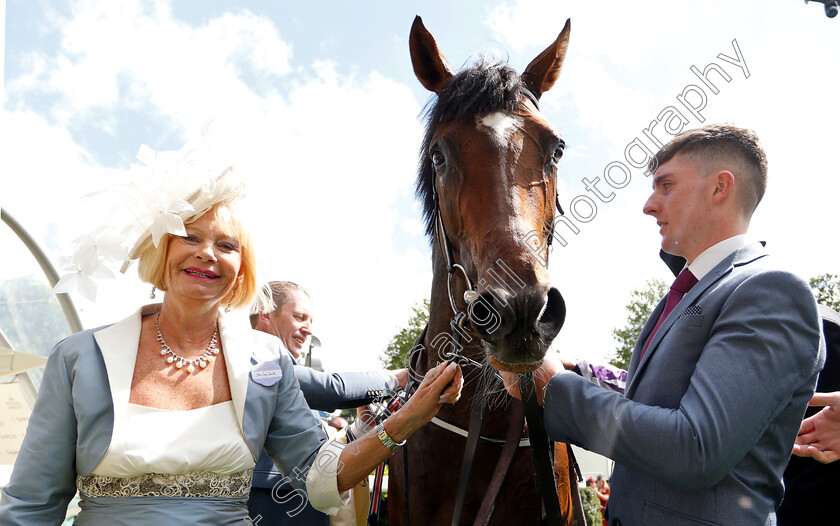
[
  {"x": 826, "y": 288},
  {"x": 591, "y": 507},
  {"x": 348, "y": 414},
  {"x": 642, "y": 303},
  {"x": 396, "y": 354}
]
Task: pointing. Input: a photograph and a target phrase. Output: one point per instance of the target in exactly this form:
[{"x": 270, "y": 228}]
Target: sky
[{"x": 318, "y": 106}]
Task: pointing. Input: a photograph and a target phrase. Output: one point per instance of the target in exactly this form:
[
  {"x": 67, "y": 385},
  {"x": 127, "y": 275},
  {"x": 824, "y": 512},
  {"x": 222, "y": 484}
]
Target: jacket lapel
[
  {"x": 236, "y": 343},
  {"x": 643, "y": 336},
  {"x": 118, "y": 344},
  {"x": 740, "y": 257}
]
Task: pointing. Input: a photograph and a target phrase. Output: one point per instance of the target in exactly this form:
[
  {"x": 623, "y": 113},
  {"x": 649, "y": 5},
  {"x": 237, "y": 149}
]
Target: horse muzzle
[{"x": 517, "y": 329}]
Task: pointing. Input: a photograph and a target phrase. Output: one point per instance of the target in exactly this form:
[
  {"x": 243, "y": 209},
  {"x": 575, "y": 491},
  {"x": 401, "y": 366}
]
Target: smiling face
[
  {"x": 682, "y": 202},
  {"x": 205, "y": 264},
  {"x": 292, "y": 322}
]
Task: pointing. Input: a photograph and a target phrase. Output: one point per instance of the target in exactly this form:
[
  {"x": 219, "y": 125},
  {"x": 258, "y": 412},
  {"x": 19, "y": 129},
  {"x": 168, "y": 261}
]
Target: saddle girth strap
[
  {"x": 541, "y": 451},
  {"x": 517, "y": 419},
  {"x": 476, "y": 423}
]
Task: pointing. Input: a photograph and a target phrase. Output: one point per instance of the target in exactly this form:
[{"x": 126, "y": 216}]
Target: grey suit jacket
[
  {"x": 330, "y": 391},
  {"x": 705, "y": 428},
  {"x": 73, "y": 418}
]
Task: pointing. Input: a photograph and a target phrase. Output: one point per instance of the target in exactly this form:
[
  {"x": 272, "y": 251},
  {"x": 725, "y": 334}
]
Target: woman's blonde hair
[{"x": 152, "y": 259}]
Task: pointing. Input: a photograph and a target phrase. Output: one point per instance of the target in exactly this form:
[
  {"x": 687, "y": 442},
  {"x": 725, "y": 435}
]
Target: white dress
[
  {"x": 151, "y": 440},
  {"x": 197, "y": 458}
]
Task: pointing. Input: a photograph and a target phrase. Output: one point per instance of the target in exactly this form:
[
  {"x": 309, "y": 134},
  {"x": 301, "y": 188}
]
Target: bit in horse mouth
[
  {"x": 513, "y": 368},
  {"x": 464, "y": 361}
]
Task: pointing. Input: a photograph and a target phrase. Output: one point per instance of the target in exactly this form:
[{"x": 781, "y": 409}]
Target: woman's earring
[
  {"x": 227, "y": 309},
  {"x": 152, "y": 295}
]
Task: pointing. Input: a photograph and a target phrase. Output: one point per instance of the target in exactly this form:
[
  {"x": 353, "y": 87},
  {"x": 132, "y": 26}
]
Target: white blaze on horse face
[{"x": 498, "y": 125}]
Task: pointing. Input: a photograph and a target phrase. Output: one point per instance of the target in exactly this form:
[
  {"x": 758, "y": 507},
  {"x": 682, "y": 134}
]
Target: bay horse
[{"x": 487, "y": 177}]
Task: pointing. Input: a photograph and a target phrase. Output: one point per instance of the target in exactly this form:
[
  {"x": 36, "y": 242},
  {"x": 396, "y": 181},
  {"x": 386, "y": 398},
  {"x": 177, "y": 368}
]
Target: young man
[
  {"x": 272, "y": 501},
  {"x": 717, "y": 386}
]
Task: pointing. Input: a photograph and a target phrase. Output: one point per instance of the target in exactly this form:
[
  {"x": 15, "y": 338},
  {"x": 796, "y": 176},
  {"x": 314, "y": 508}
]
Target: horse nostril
[
  {"x": 552, "y": 316},
  {"x": 489, "y": 315}
]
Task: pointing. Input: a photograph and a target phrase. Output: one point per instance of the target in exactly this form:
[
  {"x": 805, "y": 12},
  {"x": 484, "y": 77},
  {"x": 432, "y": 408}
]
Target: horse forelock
[{"x": 487, "y": 86}]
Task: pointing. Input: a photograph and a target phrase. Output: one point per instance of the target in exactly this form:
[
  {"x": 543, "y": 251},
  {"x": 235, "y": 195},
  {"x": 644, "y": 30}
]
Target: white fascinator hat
[{"x": 160, "y": 193}]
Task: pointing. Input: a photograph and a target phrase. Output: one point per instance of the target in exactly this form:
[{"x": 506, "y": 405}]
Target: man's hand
[
  {"x": 551, "y": 366},
  {"x": 365, "y": 419},
  {"x": 819, "y": 435},
  {"x": 402, "y": 377}
]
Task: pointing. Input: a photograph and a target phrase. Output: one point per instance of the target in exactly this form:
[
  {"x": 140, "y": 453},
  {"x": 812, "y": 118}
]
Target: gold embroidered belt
[{"x": 193, "y": 484}]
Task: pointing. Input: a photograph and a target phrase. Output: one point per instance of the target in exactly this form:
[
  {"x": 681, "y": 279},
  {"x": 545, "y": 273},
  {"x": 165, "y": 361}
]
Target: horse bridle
[
  {"x": 446, "y": 245},
  {"x": 528, "y": 410}
]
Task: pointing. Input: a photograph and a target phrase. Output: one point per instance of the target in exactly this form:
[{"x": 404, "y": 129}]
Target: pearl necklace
[{"x": 180, "y": 361}]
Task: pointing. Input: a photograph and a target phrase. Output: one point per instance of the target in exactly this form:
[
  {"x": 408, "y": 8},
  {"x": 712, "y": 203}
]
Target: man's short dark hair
[
  {"x": 280, "y": 292},
  {"x": 723, "y": 146}
]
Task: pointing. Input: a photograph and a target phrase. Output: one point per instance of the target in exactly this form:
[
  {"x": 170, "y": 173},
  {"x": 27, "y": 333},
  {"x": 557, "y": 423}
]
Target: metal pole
[{"x": 64, "y": 300}]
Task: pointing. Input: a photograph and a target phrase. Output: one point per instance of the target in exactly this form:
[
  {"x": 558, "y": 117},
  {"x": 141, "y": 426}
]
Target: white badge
[{"x": 266, "y": 373}]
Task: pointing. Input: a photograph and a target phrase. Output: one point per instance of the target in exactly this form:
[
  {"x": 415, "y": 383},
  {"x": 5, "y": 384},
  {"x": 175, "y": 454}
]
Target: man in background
[
  {"x": 273, "y": 502},
  {"x": 291, "y": 320}
]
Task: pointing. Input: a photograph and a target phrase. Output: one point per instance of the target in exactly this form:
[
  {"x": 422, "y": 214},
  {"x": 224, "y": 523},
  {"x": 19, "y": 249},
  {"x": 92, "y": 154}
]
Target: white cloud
[
  {"x": 628, "y": 61},
  {"x": 43, "y": 169},
  {"x": 332, "y": 157},
  {"x": 327, "y": 163},
  {"x": 136, "y": 55}
]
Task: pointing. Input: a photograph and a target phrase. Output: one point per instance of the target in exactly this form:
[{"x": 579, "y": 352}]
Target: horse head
[{"x": 487, "y": 179}]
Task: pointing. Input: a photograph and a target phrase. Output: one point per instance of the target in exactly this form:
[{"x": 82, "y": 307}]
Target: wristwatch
[{"x": 387, "y": 441}]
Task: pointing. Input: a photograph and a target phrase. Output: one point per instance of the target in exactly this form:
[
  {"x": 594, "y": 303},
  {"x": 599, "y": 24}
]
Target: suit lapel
[
  {"x": 118, "y": 344},
  {"x": 643, "y": 336},
  {"x": 236, "y": 343},
  {"x": 740, "y": 257}
]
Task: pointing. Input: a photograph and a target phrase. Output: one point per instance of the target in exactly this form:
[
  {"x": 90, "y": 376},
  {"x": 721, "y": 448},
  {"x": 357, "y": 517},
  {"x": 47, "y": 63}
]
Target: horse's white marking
[{"x": 498, "y": 125}]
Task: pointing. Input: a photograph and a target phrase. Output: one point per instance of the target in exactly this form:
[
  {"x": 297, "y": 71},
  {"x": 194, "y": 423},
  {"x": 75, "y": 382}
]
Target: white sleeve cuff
[
  {"x": 391, "y": 379},
  {"x": 322, "y": 479},
  {"x": 360, "y": 427}
]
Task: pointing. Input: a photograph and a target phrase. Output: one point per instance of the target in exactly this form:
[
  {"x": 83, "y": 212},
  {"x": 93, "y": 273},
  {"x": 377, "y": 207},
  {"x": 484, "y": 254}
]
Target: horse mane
[{"x": 485, "y": 87}]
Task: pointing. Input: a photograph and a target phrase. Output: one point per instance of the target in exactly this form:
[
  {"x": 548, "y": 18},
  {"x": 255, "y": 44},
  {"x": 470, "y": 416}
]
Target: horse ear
[
  {"x": 542, "y": 72},
  {"x": 430, "y": 66}
]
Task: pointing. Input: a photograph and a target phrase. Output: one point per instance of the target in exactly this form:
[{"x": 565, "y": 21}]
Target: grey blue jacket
[
  {"x": 327, "y": 392},
  {"x": 72, "y": 421},
  {"x": 705, "y": 428}
]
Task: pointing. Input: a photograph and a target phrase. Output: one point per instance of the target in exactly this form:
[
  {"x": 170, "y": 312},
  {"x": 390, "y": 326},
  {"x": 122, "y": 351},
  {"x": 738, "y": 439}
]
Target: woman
[
  {"x": 602, "y": 490},
  {"x": 159, "y": 418}
]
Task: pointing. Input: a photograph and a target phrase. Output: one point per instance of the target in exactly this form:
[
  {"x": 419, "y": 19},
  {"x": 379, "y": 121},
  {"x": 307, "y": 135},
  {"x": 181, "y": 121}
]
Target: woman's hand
[{"x": 441, "y": 385}]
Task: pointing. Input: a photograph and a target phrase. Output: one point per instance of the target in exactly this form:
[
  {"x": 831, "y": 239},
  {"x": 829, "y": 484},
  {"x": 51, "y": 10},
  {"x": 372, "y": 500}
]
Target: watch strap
[{"x": 386, "y": 440}]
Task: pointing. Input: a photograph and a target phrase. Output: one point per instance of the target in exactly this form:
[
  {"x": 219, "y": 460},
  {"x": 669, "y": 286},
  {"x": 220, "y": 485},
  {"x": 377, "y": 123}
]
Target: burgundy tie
[{"x": 681, "y": 285}]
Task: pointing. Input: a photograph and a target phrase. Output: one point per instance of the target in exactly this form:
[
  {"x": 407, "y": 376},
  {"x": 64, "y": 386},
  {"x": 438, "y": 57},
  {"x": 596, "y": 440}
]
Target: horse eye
[
  {"x": 438, "y": 159},
  {"x": 558, "y": 153}
]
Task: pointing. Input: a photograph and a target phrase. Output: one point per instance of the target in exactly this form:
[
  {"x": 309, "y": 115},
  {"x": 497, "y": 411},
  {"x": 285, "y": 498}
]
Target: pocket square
[{"x": 691, "y": 311}]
